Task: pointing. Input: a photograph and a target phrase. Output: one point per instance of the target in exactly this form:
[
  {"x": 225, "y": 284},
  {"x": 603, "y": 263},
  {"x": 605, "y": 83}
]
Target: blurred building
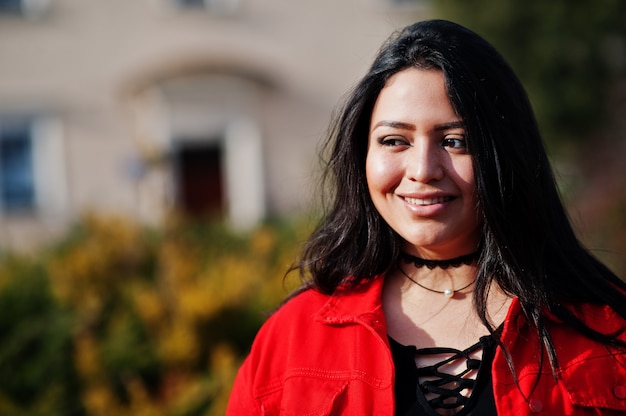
[{"x": 139, "y": 107}]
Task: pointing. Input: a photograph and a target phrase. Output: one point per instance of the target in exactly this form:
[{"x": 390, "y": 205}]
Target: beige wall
[{"x": 103, "y": 70}]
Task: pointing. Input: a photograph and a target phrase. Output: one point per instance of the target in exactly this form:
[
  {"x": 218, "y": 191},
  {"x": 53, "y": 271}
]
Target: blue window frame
[
  {"x": 10, "y": 6},
  {"x": 193, "y": 3},
  {"x": 31, "y": 9},
  {"x": 17, "y": 182},
  {"x": 213, "y": 6}
]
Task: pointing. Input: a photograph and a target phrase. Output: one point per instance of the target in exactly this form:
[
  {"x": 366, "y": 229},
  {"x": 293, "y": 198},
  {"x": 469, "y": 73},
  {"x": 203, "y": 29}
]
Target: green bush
[
  {"x": 36, "y": 372},
  {"x": 120, "y": 319}
]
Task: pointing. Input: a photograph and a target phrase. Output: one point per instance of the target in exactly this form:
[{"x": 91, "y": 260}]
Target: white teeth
[{"x": 427, "y": 201}]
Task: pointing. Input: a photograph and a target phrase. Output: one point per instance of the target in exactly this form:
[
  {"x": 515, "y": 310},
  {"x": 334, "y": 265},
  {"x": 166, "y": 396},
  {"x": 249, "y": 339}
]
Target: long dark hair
[{"x": 529, "y": 248}]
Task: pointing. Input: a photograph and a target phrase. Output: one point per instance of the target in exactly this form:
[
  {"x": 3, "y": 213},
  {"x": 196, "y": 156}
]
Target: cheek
[
  {"x": 468, "y": 186},
  {"x": 464, "y": 176},
  {"x": 381, "y": 174}
]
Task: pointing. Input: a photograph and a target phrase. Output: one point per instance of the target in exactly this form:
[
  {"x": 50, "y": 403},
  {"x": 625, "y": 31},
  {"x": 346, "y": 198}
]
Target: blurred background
[{"x": 158, "y": 168}]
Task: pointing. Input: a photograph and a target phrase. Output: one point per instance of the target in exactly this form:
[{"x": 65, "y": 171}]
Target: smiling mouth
[{"x": 428, "y": 201}]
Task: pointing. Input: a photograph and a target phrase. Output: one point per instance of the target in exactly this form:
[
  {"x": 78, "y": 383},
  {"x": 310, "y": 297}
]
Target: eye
[
  {"x": 456, "y": 143},
  {"x": 393, "y": 141}
]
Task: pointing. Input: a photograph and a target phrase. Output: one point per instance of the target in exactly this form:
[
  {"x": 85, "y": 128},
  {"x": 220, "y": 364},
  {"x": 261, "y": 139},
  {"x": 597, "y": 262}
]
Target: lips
[{"x": 428, "y": 201}]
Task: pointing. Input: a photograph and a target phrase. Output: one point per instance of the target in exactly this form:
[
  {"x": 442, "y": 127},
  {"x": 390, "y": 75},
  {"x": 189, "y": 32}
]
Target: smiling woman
[
  {"x": 419, "y": 171},
  {"x": 445, "y": 277}
]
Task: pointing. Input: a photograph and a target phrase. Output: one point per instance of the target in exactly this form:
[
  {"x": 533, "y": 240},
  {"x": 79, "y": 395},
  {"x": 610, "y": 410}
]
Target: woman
[{"x": 445, "y": 277}]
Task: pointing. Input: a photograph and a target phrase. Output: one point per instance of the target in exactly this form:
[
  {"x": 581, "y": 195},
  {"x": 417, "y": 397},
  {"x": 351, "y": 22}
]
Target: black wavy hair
[{"x": 528, "y": 245}]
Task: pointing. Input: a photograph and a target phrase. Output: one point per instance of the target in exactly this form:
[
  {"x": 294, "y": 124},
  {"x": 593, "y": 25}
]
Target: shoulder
[
  {"x": 301, "y": 307},
  {"x": 287, "y": 327},
  {"x": 346, "y": 304},
  {"x": 311, "y": 318},
  {"x": 571, "y": 343},
  {"x": 600, "y": 318},
  {"x": 307, "y": 300},
  {"x": 566, "y": 337},
  {"x": 280, "y": 340},
  {"x": 308, "y": 347},
  {"x": 573, "y": 348},
  {"x": 591, "y": 375}
]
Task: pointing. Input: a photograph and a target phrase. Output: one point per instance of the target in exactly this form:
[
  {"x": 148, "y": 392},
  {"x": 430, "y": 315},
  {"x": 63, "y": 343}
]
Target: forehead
[{"x": 414, "y": 96}]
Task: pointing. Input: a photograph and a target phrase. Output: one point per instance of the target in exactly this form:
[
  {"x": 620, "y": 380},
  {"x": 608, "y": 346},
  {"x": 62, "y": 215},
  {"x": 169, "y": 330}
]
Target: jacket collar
[{"x": 354, "y": 305}]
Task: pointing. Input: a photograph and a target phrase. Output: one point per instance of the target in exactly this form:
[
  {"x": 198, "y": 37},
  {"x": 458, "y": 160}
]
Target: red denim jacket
[{"x": 329, "y": 355}]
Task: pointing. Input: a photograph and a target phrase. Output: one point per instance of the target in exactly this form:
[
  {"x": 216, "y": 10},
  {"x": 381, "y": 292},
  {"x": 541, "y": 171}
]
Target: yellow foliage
[
  {"x": 86, "y": 357},
  {"x": 263, "y": 241},
  {"x": 178, "y": 343},
  {"x": 224, "y": 366},
  {"x": 100, "y": 401},
  {"x": 161, "y": 292},
  {"x": 148, "y": 305},
  {"x": 141, "y": 403},
  {"x": 178, "y": 262},
  {"x": 185, "y": 392}
]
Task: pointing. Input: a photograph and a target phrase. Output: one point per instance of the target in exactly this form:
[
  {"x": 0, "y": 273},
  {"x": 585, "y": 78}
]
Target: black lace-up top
[{"x": 432, "y": 390}]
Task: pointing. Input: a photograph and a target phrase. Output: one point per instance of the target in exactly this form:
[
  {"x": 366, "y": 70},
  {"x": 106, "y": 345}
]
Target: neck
[{"x": 418, "y": 262}]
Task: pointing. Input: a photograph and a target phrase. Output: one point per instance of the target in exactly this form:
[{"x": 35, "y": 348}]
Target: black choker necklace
[{"x": 442, "y": 264}]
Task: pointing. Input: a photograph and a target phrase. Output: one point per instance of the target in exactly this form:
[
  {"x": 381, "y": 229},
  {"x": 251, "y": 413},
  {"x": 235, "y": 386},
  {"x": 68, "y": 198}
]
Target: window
[
  {"x": 17, "y": 186},
  {"x": 410, "y": 3},
  {"x": 223, "y": 7},
  {"x": 32, "y": 173},
  {"x": 200, "y": 179},
  {"x": 10, "y": 6},
  {"x": 26, "y": 8},
  {"x": 193, "y": 3}
]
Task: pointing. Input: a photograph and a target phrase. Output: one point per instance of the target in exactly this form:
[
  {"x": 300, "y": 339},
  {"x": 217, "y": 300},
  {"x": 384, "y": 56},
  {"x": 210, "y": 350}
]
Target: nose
[{"x": 424, "y": 162}]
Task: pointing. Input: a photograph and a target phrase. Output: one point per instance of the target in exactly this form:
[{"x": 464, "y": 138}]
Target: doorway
[{"x": 200, "y": 182}]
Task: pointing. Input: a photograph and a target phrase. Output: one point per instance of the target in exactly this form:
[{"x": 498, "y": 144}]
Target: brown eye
[
  {"x": 454, "y": 143},
  {"x": 393, "y": 141}
]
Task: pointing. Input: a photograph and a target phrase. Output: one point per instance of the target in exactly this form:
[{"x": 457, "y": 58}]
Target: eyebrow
[
  {"x": 395, "y": 125},
  {"x": 408, "y": 126},
  {"x": 449, "y": 126}
]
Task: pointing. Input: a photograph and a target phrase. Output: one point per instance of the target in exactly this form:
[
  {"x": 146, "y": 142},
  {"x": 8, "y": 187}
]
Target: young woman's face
[{"x": 418, "y": 170}]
